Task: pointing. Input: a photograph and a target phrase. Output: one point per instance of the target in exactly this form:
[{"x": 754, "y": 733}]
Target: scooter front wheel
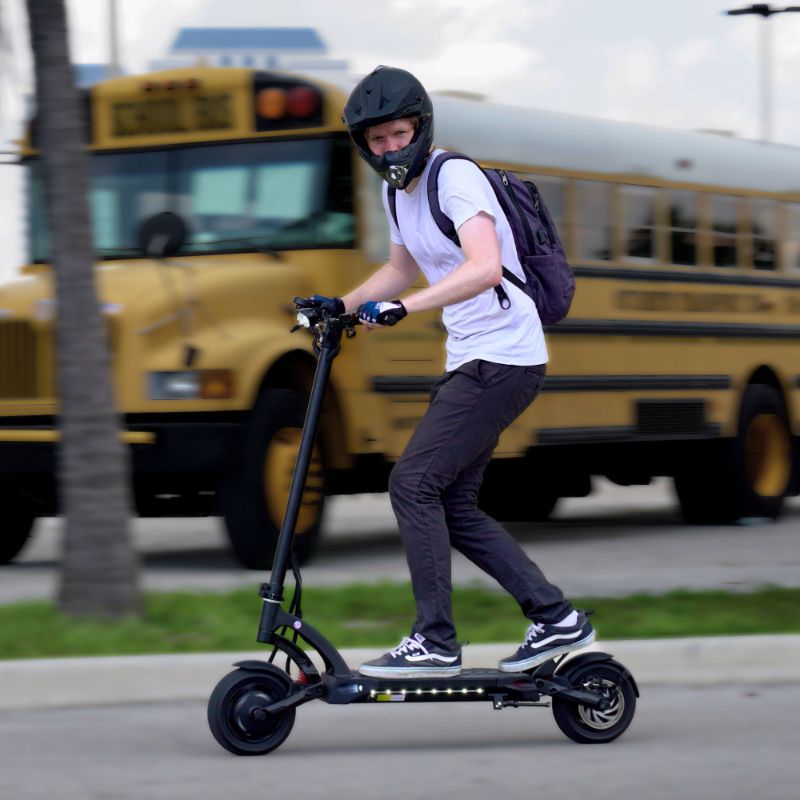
[
  {"x": 588, "y": 725},
  {"x": 236, "y": 714}
]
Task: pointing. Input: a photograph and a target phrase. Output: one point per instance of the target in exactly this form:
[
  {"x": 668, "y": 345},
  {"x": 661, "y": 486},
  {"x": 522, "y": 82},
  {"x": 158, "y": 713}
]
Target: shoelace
[
  {"x": 407, "y": 645},
  {"x": 533, "y": 630}
]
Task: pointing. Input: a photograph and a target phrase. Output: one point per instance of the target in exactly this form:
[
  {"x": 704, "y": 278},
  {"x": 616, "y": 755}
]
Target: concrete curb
[{"x": 65, "y": 682}]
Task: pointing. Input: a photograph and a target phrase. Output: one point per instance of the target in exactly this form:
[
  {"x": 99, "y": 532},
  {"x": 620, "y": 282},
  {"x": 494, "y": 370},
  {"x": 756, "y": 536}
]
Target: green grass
[{"x": 377, "y": 616}]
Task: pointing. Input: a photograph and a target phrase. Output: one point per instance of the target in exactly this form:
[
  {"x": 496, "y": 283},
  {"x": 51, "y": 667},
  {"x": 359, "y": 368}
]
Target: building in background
[
  {"x": 89, "y": 74},
  {"x": 291, "y": 49}
]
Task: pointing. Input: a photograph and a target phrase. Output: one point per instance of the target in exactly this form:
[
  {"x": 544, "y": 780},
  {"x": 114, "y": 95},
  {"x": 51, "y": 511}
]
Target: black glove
[
  {"x": 387, "y": 312},
  {"x": 333, "y": 305}
]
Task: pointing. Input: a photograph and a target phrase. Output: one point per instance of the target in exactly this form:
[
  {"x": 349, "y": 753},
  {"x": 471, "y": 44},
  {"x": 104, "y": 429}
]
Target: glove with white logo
[{"x": 387, "y": 312}]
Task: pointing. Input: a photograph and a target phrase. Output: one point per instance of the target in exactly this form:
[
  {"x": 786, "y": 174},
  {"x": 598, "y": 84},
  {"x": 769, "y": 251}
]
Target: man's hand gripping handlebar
[{"x": 319, "y": 318}]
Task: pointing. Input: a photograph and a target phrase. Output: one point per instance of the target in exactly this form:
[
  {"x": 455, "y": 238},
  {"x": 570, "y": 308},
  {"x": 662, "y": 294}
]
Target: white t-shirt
[{"x": 478, "y": 327}]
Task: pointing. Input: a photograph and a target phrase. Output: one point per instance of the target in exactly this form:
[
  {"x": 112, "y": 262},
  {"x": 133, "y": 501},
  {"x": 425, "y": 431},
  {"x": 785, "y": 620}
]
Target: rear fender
[{"x": 566, "y": 669}]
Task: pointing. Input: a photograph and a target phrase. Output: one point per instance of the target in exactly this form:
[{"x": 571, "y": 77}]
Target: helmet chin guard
[
  {"x": 396, "y": 176},
  {"x": 384, "y": 95}
]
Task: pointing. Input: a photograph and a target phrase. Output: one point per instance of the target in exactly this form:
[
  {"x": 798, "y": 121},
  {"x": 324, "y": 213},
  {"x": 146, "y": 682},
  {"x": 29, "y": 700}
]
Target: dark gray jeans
[{"x": 434, "y": 491}]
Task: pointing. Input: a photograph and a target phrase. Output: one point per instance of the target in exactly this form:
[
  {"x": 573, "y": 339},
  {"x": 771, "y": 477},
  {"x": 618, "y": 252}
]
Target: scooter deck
[
  {"x": 466, "y": 678},
  {"x": 469, "y": 685}
]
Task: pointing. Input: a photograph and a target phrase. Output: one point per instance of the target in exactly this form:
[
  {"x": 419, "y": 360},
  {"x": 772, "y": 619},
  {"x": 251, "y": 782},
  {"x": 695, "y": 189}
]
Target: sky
[{"x": 673, "y": 63}]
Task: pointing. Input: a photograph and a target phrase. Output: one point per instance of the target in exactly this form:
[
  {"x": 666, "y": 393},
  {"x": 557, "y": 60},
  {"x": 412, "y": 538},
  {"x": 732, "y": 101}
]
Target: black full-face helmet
[{"x": 388, "y": 93}]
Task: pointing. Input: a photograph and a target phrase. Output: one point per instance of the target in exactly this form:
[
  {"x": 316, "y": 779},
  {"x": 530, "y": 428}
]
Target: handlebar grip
[{"x": 390, "y": 320}]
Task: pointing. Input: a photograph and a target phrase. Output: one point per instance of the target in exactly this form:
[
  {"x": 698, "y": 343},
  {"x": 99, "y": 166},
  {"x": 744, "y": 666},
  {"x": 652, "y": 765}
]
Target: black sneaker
[
  {"x": 416, "y": 657},
  {"x": 545, "y": 641}
]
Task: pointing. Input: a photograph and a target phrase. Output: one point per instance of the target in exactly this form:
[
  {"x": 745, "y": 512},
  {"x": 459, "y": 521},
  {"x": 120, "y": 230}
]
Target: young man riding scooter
[{"x": 495, "y": 367}]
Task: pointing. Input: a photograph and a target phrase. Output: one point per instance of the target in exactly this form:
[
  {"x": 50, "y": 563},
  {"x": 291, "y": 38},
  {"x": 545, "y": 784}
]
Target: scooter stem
[{"x": 329, "y": 348}]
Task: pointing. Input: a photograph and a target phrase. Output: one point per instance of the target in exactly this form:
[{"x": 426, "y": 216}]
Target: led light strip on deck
[{"x": 389, "y": 696}]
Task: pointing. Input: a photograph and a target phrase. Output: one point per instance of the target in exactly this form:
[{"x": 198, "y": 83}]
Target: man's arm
[
  {"x": 386, "y": 283},
  {"x": 482, "y": 268}
]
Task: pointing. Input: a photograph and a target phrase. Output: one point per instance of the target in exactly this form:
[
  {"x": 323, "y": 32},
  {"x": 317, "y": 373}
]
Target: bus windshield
[{"x": 277, "y": 195}]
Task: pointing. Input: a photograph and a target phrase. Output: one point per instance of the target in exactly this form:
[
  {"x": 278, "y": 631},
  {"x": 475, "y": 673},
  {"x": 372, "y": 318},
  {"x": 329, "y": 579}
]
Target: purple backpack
[{"x": 549, "y": 279}]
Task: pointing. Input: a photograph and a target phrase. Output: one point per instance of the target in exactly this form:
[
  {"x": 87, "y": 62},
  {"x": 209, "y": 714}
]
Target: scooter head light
[{"x": 303, "y": 318}]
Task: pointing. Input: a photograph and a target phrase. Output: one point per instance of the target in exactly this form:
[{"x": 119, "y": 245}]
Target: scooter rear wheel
[
  {"x": 588, "y": 725},
  {"x": 236, "y": 713}
]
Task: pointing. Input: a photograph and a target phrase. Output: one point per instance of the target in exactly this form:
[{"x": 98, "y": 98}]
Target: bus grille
[
  {"x": 27, "y": 359},
  {"x": 26, "y": 363},
  {"x": 680, "y": 418}
]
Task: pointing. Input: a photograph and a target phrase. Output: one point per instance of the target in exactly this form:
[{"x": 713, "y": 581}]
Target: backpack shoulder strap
[
  {"x": 443, "y": 222},
  {"x": 391, "y": 194}
]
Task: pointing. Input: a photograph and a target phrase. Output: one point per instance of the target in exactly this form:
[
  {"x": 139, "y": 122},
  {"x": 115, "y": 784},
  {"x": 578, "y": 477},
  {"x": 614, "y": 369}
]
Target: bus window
[
  {"x": 104, "y": 207},
  {"x": 724, "y": 226},
  {"x": 594, "y": 220},
  {"x": 38, "y": 235},
  {"x": 375, "y": 229},
  {"x": 233, "y": 197},
  {"x": 683, "y": 227},
  {"x": 638, "y": 219},
  {"x": 125, "y": 189},
  {"x": 339, "y": 201},
  {"x": 764, "y": 219},
  {"x": 791, "y": 245},
  {"x": 265, "y": 191}
]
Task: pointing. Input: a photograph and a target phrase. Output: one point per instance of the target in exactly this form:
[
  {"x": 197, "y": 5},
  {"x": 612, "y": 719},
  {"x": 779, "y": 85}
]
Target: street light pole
[
  {"x": 764, "y": 11},
  {"x": 113, "y": 67},
  {"x": 766, "y": 82}
]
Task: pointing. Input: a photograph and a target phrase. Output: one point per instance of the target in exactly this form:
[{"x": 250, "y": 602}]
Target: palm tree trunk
[{"x": 99, "y": 569}]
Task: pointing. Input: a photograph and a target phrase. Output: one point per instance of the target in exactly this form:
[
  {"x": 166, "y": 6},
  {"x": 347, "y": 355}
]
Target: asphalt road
[
  {"x": 720, "y": 741},
  {"x": 730, "y": 742},
  {"x": 618, "y": 541}
]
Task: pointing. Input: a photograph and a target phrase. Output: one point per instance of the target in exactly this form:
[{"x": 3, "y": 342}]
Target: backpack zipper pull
[
  {"x": 502, "y": 297},
  {"x": 503, "y": 176}
]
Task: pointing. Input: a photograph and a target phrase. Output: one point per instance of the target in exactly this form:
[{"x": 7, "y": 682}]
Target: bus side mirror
[{"x": 162, "y": 235}]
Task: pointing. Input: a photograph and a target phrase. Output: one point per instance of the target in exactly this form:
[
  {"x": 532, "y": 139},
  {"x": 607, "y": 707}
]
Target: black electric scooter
[{"x": 252, "y": 709}]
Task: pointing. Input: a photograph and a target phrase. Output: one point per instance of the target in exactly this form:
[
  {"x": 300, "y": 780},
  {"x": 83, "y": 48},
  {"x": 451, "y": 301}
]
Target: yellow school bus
[{"x": 680, "y": 356}]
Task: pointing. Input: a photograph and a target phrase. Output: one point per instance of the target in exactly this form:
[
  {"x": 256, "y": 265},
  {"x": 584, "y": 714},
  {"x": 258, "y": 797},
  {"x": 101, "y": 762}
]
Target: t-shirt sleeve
[
  {"x": 464, "y": 191},
  {"x": 394, "y": 231}
]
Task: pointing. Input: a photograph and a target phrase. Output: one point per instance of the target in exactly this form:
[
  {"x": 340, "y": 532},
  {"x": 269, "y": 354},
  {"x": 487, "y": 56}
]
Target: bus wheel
[
  {"x": 748, "y": 477},
  {"x": 18, "y": 519},
  {"x": 253, "y": 499},
  {"x": 764, "y": 451}
]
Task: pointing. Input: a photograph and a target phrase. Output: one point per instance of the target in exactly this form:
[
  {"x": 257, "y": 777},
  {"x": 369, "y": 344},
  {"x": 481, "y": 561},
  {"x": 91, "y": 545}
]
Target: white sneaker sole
[
  {"x": 540, "y": 658},
  {"x": 411, "y": 672}
]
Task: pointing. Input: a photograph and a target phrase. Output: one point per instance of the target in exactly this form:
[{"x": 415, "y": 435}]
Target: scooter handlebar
[{"x": 310, "y": 317}]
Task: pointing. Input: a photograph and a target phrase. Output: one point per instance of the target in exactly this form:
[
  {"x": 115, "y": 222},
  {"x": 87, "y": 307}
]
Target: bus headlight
[{"x": 191, "y": 384}]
